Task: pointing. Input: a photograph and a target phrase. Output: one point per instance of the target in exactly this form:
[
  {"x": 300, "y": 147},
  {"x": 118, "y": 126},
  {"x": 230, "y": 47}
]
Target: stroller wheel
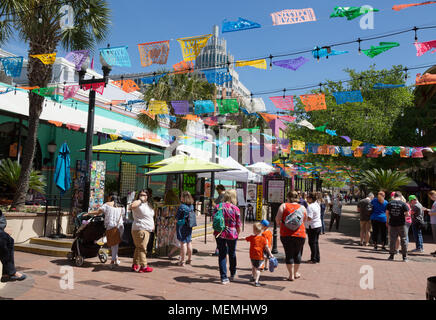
[
  {"x": 103, "y": 257},
  {"x": 79, "y": 261}
]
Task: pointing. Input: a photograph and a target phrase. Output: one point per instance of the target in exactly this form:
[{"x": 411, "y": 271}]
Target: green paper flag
[
  {"x": 251, "y": 130},
  {"x": 384, "y": 46},
  {"x": 228, "y": 106},
  {"x": 351, "y": 12},
  {"x": 321, "y": 128},
  {"x": 45, "y": 92}
]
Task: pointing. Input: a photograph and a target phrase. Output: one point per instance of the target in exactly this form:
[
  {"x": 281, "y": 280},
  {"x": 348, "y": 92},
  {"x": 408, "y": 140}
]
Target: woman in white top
[
  {"x": 113, "y": 218},
  {"x": 432, "y": 214},
  {"x": 314, "y": 226},
  {"x": 143, "y": 225}
]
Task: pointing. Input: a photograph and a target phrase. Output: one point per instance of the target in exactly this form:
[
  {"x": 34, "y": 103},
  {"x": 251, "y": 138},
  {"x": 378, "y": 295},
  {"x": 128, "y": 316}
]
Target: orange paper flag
[
  {"x": 268, "y": 117},
  {"x": 148, "y": 113},
  {"x": 56, "y": 123},
  {"x": 399, "y": 7},
  {"x": 314, "y": 102},
  {"x": 191, "y": 117},
  {"x": 126, "y": 85},
  {"x": 183, "y": 67}
]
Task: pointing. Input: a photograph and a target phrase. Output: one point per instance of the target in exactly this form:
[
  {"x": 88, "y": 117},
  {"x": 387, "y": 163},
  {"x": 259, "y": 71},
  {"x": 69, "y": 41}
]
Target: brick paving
[{"x": 336, "y": 277}]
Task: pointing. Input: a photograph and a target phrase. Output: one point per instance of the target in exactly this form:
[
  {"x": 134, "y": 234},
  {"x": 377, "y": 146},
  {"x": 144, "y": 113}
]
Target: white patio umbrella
[{"x": 261, "y": 168}]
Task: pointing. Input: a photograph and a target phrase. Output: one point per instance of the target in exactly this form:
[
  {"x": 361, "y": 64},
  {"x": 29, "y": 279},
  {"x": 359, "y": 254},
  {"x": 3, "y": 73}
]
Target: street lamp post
[{"x": 90, "y": 127}]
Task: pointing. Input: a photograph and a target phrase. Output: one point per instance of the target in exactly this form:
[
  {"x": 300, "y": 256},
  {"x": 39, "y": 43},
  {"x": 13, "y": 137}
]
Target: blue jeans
[
  {"x": 226, "y": 247},
  {"x": 417, "y": 234},
  {"x": 322, "y": 221}
]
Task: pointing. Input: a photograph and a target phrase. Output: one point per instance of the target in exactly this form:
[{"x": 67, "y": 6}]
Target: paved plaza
[{"x": 337, "y": 277}]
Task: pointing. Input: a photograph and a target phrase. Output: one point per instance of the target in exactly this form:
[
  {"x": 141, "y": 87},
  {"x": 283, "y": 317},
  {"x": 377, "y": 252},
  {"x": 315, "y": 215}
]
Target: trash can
[{"x": 431, "y": 288}]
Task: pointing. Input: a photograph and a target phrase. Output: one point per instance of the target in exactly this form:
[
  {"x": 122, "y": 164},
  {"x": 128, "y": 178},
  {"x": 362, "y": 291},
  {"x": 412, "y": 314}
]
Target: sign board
[
  {"x": 241, "y": 198},
  {"x": 259, "y": 202},
  {"x": 251, "y": 192},
  {"x": 190, "y": 183},
  {"x": 207, "y": 189},
  {"x": 276, "y": 191}
]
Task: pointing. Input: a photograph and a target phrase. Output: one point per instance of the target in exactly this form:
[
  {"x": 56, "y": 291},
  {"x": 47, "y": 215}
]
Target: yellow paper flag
[
  {"x": 260, "y": 64},
  {"x": 48, "y": 58},
  {"x": 298, "y": 145},
  {"x": 158, "y": 107},
  {"x": 356, "y": 143},
  {"x": 191, "y": 46}
]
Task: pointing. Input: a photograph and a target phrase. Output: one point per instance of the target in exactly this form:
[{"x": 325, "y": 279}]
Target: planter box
[{"x": 30, "y": 225}]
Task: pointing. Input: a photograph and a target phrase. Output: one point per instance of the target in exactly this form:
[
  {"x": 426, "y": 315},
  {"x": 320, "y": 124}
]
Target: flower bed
[{"x": 27, "y": 209}]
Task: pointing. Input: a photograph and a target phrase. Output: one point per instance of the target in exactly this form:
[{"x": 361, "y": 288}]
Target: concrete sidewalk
[{"x": 336, "y": 277}]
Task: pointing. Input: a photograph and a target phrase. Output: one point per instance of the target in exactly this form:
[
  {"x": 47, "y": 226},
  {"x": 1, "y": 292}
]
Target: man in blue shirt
[{"x": 378, "y": 219}]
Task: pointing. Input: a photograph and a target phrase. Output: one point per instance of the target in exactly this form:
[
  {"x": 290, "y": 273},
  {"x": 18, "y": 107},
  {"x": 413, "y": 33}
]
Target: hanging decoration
[
  {"x": 56, "y": 123},
  {"x": 387, "y": 86},
  {"x": 348, "y": 139},
  {"x": 331, "y": 132},
  {"x": 307, "y": 124},
  {"x": 226, "y": 106},
  {"x": 287, "y": 118},
  {"x": 117, "y": 56},
  {"x": 217, "y": 76},
  {"x": 45, "y": 92},
  {"x": 114, "y": 136},
  {"x": 423, "y": 47},
  {"x": 293, "y": 16},
  {"x": 149, "y": 114},
  {"x": 293, "y": 64},
  {"x": 351, "y": 12},
  {"x": 318, "y": 52},
  {"x": 355, "y": 144},
  {"x": 313, "y": 102},
  {"x": 154, "y": 52},
  {"x": 70, "y": 91},
  {"x": 399, "y": 7},
  {"x": 383, "y": 47},
  {"x": 158, "y": 107},
  {"x": 298, "y": 145},
  {"x": 254, "y": 105},
  {"x": 425, "y": 79},
  {"x": 97, "y": 87},
  {"x": 211, "y": 121},
  {"x": 72, "y": 126},
  {"x": 78, "y": 58},
  {"x": 183, "y": 67},
  {"x": 127, "y": 85},
  {"x": 180, "y": 107},
  {"x": 7, "y": 91},
  {"x": 191, "y": 117},
  {"x": 192, "y": 46},
  {"x": 12, "y": 66},
  {"x": 153, "y": 79},
  {"x": 240, "y": 25},
  {"x": 47, "y": 58},
  {"x": 321, "y": 128},
  {"x": 204, "y": 106},
  {"x": 268, "y": 117},
  {"x": 348, "y": 96},
  {"x": 260, "y": 64},
  {"x": 284, "y": 103}
]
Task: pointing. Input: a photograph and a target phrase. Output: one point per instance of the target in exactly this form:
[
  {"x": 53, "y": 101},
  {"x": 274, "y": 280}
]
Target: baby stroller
[{"x": 85, "y": 245}]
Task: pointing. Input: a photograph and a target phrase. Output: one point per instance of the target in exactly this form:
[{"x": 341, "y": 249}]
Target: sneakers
[
  {"x": 391, "y": 257},
  {"x": 145, "y": 270},
  {"x": 232, "y": 278},
  {"x": 418, "y": 250},
  {"x": 225, "y": 281},
  {"x": 136, "y": 267},
  {"x": 257, "y": 284},
  {"x": 405, "y": 259},
  {"x": 13, "y": 278}
]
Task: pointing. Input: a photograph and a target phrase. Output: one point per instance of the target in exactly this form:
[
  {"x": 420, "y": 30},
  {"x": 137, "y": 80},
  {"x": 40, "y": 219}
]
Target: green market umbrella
[{"x": 164, "y": 162}]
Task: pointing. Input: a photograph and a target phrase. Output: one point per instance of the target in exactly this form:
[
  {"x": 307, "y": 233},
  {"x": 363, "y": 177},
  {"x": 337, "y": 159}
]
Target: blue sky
[{"x": 139, "y": 21}]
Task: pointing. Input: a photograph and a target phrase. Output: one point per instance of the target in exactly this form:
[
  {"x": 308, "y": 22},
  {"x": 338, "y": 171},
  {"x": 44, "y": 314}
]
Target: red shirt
[
  {"x": 286, "y": 232},
  {"x": 257, "y": 244},
  {"x": 268, "y": 235}
]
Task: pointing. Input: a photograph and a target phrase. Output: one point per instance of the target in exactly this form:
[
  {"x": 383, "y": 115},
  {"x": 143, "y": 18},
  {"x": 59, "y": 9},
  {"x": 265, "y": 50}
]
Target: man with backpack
[{"x": 291, "y": 217}]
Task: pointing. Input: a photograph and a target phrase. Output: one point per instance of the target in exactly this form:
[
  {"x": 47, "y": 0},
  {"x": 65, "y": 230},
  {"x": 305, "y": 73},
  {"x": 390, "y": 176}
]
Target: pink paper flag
[
  {"x": 70, "y": 91},
  {"x": 293, "y": 16},
  {"x": 423, "y": 47},
  {"x": 286, "y": 103},
  {"x": 287, "y": 118},
  {"x": 97, "y": 87}
]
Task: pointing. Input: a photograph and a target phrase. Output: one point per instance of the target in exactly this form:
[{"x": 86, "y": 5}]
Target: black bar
[{"x": 88, "y": 152}]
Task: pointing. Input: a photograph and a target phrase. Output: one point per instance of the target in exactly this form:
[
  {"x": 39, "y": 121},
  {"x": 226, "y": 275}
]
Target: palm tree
[
  {"x": 380, "y": 179},
  {"x": 37, "y": 22}
]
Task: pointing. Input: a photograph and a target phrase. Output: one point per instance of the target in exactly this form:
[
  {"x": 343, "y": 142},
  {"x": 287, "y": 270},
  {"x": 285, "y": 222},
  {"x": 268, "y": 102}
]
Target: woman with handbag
[
  {"x": 113, "y": 212},
  {"x": 143, "y": 225},
  {"x": 186, "y": 220}
]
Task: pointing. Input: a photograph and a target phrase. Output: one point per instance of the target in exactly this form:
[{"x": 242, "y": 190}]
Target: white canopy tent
[
  {"x": 261, "y": 168},
  {"x": 240, "y": 174}
]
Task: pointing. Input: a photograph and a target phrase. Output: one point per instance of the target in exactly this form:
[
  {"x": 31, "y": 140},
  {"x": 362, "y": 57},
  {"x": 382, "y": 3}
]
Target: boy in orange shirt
[
  {"x": 268, "y": 235},
  {"x": 258, "y": 244}
]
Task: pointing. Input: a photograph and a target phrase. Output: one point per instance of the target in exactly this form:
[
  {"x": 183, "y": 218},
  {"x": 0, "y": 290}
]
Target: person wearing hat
[
  {"x": 417, "y": 211},
  {"x": 268, "y": 235}
]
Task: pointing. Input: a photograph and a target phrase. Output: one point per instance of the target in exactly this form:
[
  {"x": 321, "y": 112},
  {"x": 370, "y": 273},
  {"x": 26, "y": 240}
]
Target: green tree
[
  {"x": 37, "y": 23},
  {"x": 380, "y": 179},
  {"x": 10, "y": 173}
]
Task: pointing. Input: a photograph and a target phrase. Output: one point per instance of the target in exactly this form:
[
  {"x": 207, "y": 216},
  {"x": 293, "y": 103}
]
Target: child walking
[
  {"x": 258, "y": 244},
  {"x": 268, "y": 235}
]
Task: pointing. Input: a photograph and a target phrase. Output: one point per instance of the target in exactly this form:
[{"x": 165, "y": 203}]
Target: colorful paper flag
[
  {"x": 180, "y": 107},
  {"x": 331, "y": 132},
  {"x": 321, "y": 128},
  {"x": 72, "y": 126},
  {"x": 241, "y": 24},
  {"x": 383, "y": 47},
  {"x": 348, "y": 96},
  {"x": 126, "y": 85},
  {"x": 48, "y": 58},
  {"x": 307, "y": 124},
  {"x": 286, "y": 103},
  {"x": 388, "y": 86},
  {"x": 326, "y": 52},
  {"x": 183, "y": 67},
  {"x": 12, "y": 66},
  {"x": 254, "y": 105},
  {"x": 226, "y": 106},
  {"x": 293, "y": 64},
  {"x": 355, "y": 144},
  {"x": 154, "y": 52},
  {"x": 293, "y": 16},
  {"x": 191, "y": 117},
  {"x": 351, "y": 12},
  {"x": 192, "y": 46},
  {"x": 217, "y": 76},
  {"x": 45, "y": 92},
  {"x": 399, "y": 7},
  {"x": 423, "y": 47},
  {"x": 204, "y": 106},
  {"x": 117, "y": 56},
  {"x": 158, "y": 107},
  {"x": 97, "y": 87},
  {"x": 268, "y": 117},
  {"x": 348, "y": 139},
  {"x": 149, "y": 114},
  {"x": 313, "y": 102},
  {"x": 298, "y": 145},
  {"x": 260, "y": 64},
  {"x": 56, "y": 123},
  {"x": 287, "y": 118},
  {"x": 153, "y": 79},
  {"x": 70, "y": 91},
  {"x": 78, "y": 58}
]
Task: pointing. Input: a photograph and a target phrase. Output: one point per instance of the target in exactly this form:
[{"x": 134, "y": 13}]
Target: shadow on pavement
[
  {"x": 185, "y": 279},
  {"x": 373, "y": 258}
]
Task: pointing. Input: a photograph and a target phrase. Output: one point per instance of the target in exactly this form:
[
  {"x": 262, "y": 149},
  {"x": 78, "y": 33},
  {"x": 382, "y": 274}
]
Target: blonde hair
[
  {"x": 230, "y": 196},
  {"x": 186, "y": 198},
  {"x": 258, "y": 227}
]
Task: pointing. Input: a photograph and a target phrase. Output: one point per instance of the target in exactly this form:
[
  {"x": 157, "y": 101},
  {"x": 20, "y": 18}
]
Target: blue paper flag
[
  {"x": 12, "y": 66},
  {"x": 241, "y": 24},
  {"x": 388, "y": 86},
  {"x": 153, "y": 79},
  {"x": 117, "y": 56},
  {"x": 331, "y": 132},
  {"x": 217, "y": 76},
  {"x": 326, "y": 52},
  {"x": 346, "y": 151},
  {"x": 348, "y": 96},
  {"x": 7, "y": 90},
  {"x": 249, "y": 114},
  {"x": 204, "y": 106}
]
